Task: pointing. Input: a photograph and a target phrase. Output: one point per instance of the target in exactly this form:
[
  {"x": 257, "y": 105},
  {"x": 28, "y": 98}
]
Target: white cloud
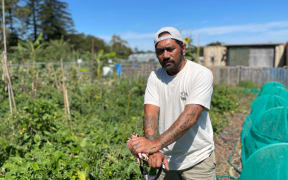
[
  {"x": 246, "y": 33},
  {"x": 248, "y": 28}
]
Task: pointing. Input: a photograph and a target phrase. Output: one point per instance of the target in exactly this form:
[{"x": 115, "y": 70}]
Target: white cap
[{"x": 174, "y": 34}]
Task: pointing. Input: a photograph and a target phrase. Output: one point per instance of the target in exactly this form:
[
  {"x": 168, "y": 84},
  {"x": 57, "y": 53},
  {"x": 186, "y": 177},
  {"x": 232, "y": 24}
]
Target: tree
[
  {"x": 82, "y": 42},
  {"x": 217, "y": 43},
  {"x": 32, "y": 19},
  {"x": 57, "y": 50},
  {"x": 55, "y": 21},
  {"x": 120, "y": 46},
  {"x": 11, "y": 15}
]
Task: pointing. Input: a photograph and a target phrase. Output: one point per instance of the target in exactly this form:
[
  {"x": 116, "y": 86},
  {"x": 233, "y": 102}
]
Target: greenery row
[{"x": 40, "y": 142}]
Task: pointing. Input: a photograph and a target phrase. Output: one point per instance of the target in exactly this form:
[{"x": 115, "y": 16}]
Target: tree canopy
[{"x": 27, "y": 19}]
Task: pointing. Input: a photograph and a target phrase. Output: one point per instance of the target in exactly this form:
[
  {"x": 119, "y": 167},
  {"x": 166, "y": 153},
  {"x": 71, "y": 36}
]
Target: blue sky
[{"x": 205, "y": 21}]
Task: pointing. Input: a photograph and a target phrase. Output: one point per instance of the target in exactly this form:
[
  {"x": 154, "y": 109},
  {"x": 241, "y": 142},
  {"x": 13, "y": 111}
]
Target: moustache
[{"x": 165, "y": 61}]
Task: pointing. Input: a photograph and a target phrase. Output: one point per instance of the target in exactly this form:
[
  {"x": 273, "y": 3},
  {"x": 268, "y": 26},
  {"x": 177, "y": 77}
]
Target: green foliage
[
  {"x": 120, "y": 46},
  {"x": 37, "y": 143},
  {"x": 216, "y": 43},
  {"x": 218, "y": 120},
  {"x": 224, "y": 100},
  {"x": 55, "y": 20},
  {"x": 83, "y": 43},
  {"x": 100, "y": 57},
  {"x": 247, "y": 84},
  {"x": 30, "y": 51},
  {"x": 191, "y": 50},
  {"x": 57, "y": 50},
  {"x": 27, "y": 20}
]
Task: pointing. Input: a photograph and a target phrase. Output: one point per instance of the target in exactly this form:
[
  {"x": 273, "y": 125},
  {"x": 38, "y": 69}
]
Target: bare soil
[{"x": 225, "y": 141}]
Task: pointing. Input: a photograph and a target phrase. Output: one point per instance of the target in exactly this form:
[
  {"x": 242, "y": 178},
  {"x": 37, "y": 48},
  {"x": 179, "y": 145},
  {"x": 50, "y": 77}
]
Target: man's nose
[{"x": 166, "y": 54}]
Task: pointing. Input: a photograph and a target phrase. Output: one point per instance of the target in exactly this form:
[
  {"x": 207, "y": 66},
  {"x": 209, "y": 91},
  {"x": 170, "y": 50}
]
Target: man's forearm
[
  {"x": 150, "y": 125},
  {"x": 181, "y": 125}
]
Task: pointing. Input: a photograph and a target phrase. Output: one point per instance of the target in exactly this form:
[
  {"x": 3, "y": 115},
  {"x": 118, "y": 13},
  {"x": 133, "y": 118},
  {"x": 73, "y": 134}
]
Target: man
[{"x": 180, "y": 92}]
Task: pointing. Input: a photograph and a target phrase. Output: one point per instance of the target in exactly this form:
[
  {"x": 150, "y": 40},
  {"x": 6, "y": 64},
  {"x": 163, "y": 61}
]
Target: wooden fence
[
  {"x": 231, "y": 75},
  {"x": 259, "y": 76}
]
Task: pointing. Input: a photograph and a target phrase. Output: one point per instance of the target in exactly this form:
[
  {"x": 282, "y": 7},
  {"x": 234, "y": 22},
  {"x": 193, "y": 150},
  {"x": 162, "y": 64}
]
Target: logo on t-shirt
[{"x": 183, "y": 95}]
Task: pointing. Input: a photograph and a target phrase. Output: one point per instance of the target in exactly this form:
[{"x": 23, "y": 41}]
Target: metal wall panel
[
  {"x": 238, "y": 56},
  {"x": 261, "y": 57}
]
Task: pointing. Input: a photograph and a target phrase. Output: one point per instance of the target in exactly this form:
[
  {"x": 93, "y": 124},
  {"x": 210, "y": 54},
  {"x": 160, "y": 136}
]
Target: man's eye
[
  {"x": 170, "y": 49},
  {"x": 159, "y": 51}
]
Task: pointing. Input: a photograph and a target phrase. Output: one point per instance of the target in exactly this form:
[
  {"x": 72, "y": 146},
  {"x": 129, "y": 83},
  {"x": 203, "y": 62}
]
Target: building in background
[
  {"x": 215, "y": 55},
  {"x": 251, "y": 55},
  {"x": 143, "y": 57}
]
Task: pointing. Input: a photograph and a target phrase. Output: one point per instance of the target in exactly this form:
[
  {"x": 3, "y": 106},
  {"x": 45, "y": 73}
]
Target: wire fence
[{"x": 230, "y": 75}]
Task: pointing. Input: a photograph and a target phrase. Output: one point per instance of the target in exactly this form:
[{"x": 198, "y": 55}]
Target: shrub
[
  {"x": 223, "y": 99},
  {"x": 247, "y": 84}
]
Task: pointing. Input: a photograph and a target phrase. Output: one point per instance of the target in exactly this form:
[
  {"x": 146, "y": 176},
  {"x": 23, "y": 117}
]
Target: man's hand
[
  {"x": 143, "y": 145},
  {"x": 131, "y": 148},
  {"x": 138, "y": 156},
  {"x": 157, "y": 159}
]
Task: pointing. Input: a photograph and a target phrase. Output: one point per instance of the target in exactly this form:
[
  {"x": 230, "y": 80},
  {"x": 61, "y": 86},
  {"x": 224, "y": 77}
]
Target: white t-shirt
[{"x": 192, "y": 85}]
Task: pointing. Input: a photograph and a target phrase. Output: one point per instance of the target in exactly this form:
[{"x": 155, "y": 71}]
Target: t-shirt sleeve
[
  {"x": 201, "y": 89},
  {"x": 151, "y": 94}
]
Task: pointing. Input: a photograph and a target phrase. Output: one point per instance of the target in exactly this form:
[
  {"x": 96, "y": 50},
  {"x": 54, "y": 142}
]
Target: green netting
[
  {"x": 279, "y": 91},
  {"x": 268, "y": 163},
  {"x": 273, "y": 84},
  {"x": 259, "y": 106},
  {"x": 245, "y": 132},
  {"x": 270, "y": 128},
  {"x": 265, "y": 102}
]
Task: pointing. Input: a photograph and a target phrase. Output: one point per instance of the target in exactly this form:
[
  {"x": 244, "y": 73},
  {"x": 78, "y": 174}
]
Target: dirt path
[{"x": 225, "y": 141}]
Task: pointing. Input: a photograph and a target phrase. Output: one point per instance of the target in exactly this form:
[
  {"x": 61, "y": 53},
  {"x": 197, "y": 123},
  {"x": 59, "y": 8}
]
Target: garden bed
[{"x": 229, "y": 137}]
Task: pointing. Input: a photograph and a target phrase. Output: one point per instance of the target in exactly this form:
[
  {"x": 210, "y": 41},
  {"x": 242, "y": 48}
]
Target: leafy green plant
[
  {"x": 223, "y": 99},
  {"x": 247, "y": 84},
  {"x": 31, "y": 51},
  {"x": 218, "y": 121},
  {"x": 100, "y": 57},
  {"x": 57, "y": 50},
  {"x": 35, "y": 143}
]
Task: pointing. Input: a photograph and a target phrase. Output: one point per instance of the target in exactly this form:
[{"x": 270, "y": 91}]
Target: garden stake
[
  {"x": 55, "y": 78},
  {"x": 92, "y": 61},
  {"x": 65, "y": 93},
  {"x": 5, "y": 67}
]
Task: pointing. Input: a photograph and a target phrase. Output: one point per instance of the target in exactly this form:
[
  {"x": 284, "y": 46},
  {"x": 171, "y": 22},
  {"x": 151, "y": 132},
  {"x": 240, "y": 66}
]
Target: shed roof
[{"x": 253, "y": 44}]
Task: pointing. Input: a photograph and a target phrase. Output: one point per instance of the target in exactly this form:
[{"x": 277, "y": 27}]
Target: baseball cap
[{"x": 174, "y": 34}]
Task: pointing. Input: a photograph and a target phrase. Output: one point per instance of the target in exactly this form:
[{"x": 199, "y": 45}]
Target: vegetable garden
[{"x": 69, "y": 127}]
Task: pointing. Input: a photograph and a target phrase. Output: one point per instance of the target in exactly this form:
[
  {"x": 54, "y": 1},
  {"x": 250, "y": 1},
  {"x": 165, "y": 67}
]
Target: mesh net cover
[
  {"x": 268, "y": 163},
  {"x": 270, "y": 128}
]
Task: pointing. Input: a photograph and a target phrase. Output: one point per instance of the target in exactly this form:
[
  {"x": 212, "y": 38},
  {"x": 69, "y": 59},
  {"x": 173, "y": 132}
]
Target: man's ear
[{"x": 184, "y": 49}]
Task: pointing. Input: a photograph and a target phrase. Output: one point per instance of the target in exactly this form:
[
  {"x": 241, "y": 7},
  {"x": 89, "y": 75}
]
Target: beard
[{"x": 171, "y": 66}]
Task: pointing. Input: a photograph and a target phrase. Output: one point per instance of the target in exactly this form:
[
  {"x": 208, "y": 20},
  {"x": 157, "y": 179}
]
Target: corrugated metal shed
[{"x": 253, "y": 55}]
